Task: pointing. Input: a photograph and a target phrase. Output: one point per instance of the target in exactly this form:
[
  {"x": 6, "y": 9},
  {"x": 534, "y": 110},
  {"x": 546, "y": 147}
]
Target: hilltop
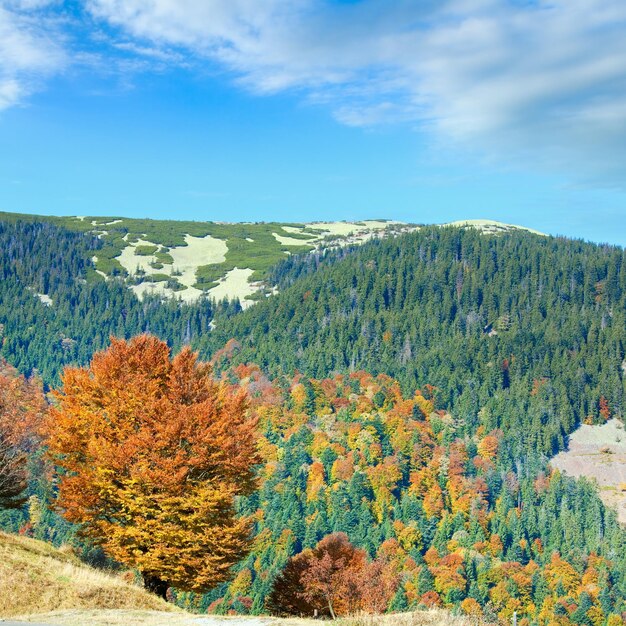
[
  {"x": 185, "y": 260},
  {"x": 492, "y": 227}
]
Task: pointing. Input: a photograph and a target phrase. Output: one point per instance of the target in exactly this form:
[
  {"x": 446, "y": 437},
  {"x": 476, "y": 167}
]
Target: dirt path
[{"x": 116, "y": 617}]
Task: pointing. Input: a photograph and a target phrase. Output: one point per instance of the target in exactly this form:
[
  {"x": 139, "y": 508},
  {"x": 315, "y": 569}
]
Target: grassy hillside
[
  {"x": 35, "y": 577},
  {"x": 186, "y": 259},
  {"x": 599, "y": 453}
]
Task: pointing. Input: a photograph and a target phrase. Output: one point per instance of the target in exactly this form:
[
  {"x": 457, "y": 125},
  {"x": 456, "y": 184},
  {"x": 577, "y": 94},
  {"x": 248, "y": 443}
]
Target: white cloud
[
  {"x": 533, "y": 80},
  {"x": 546, "y": 79},
  {"x": 29, "y": 49},
  {"x": 10, "y": 92}
]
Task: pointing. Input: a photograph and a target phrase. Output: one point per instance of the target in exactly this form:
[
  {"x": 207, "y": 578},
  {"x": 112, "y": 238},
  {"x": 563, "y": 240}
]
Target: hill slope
[
  {"x": 186, "y": 259},
  {"x": 518, "y": 332},
  {"x": 43, "y": 584},
  {"x": 36, "y": 578},
  {"x": 56, "y": 309}
]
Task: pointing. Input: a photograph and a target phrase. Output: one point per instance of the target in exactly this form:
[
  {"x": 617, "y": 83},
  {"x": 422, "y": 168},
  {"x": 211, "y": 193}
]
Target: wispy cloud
[
  {"x": 542, "y": 80},
  {"x": 29, "y": 48}
]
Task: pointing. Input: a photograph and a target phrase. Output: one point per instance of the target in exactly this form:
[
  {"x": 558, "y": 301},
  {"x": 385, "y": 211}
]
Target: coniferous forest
[
  {"x": 517, "y": 332},
  {"x": 41, "y": 258},
  {"x": 407, "y": 394}
]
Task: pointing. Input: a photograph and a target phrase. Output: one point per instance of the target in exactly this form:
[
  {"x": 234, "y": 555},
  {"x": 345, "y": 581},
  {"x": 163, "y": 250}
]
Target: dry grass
[
  {"x": 599, "y": 453},
  {"x": 434, "y": 617},
  {"x": 37, "y": 578},
  {"x": 157, "y": 618}
]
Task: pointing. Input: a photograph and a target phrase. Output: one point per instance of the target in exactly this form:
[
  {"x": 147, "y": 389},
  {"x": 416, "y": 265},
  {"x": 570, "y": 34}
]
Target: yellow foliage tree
[
  {"x": 560, "y": 571},
  {"x": 154, "y": 452}
]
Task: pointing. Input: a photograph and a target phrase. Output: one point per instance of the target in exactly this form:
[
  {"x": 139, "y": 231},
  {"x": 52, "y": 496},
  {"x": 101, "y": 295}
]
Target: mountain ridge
[
  {"x": 514, "y": 340},
  {"x": 186, "y": 260}
]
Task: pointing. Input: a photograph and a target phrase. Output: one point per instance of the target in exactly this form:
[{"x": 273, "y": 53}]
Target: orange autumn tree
[
  {"x": 22, "y": 406},
  {"x": 154, "y": 452}
]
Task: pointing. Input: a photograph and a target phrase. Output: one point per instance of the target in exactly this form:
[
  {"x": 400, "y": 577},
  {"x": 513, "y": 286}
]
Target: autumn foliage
[
  {"x": 430, "y": 519},
  {"x": 333, "y": 579},
  {"x": 153, "y": 452},
  {"x": 22, "y": 406}
]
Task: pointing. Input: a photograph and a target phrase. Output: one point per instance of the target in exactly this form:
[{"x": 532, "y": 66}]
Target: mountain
[
  {"x": 189, "y": 259},
  {"x": 56, "y": 307},
  {"x": 511, "y": 339},
  {"x": 222, "y": 260},
  {"x": 518, "y": 332}
]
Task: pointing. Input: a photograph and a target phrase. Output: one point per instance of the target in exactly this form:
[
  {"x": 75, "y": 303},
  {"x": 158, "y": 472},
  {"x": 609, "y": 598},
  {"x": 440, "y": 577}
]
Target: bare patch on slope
[{"x": 599, "y": 453}]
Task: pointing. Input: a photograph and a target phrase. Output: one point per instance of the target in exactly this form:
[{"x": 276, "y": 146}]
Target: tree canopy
[
  {"x": 153, "y": 452},
  {"x": 430, "y": 510},
  {"x": 22, "y": 406}
]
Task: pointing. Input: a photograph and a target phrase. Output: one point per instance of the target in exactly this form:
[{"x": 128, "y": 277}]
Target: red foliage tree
[{"x": 334, "y": 578}]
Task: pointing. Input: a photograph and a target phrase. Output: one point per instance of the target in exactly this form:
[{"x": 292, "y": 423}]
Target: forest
[
  {"x": 445, "y": 526},
  {"x": 518, "y": 332},
  {"x": 407, "y": 394},
  {"x": 41, "y": 258}
]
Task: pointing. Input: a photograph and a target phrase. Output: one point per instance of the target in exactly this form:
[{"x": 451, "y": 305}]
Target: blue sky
[{"x": 306, "y": 110}]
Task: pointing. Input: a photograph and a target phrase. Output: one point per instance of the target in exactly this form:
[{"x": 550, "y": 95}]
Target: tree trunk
[
  {"x": 155, "y": 585},
  {"x": 332, "y": 613}
]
